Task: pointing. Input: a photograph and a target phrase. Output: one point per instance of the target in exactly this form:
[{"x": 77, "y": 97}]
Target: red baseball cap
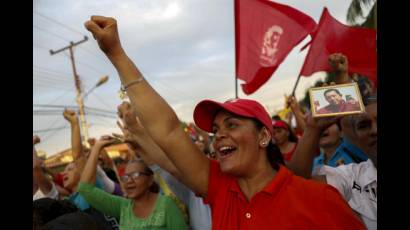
[
  {"x": 280, "y": 124},
  {"x": 206, "y": 110}
]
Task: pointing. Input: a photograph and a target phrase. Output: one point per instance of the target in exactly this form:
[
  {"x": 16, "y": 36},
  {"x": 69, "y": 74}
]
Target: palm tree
[
  {"x": 371, "y": 21},
  {"x": 355, "y": 13}
]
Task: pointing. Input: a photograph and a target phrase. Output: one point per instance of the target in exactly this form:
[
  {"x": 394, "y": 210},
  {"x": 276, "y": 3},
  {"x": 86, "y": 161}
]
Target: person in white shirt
[{"x": 356, "y": 182}]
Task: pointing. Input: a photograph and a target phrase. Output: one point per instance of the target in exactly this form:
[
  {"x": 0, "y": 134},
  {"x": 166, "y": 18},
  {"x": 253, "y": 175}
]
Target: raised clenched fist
[
  {"x": 105, "y": 31},
  {"x": 70, "y": 116},
  {"x": 338, "y": 62}
]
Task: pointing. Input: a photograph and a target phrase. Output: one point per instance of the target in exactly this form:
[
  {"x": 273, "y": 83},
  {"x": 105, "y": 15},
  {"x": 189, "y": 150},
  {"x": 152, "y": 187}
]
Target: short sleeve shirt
[
  {"x": 286, "y": 202},
  {"x": 358, "y": 185}
]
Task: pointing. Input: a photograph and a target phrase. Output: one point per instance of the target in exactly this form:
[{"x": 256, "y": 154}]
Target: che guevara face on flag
[{"x": 265, "y": 33}]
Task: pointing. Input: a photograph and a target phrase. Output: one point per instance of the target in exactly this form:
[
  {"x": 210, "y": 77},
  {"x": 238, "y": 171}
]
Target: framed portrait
[{"x": 335, "y": 100}]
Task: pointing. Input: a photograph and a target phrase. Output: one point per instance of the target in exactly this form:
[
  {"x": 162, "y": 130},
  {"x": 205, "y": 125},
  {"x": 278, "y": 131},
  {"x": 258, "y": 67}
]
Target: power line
[
  {"x": 172, "y": 90},
  {"x": 91, "y": 67},
  {"x": 101, "y": 115},
  {"x": 59, "y": 23},
  {"x": 50, "y": 85},
  {"x": 58, "y": 113},
  {"x": 48, "y": 73},
  {"x": 51, "y": 129},
  {"x": 52, "y": 106},
  {"x": 60, "y": 96},
  {"x": 45, "y": 78},
  {"x": 51, "y": 33},
  {"x": 74, "y": 107},
  {"x": 40, "y": 46},
  {"x": 100, "y": 110},
  {"x": 111, "y": 123},
  {"x": 59, "y": 75},
  {"x": 102, "y": 101},
  {"x": 174, "y": 95},
  {"x": 92, "y": 53},
  {"x": 41, "y": 68},
  {"x": 49, "y": 82},
  {"x": 51, "y": 78},
  {"x": 65, "y": 92},
  {"x": 43, "y": 139},
  {"x": 83, "y": 63},
  {"x": 54, "y": 83},
  {"x": 87, "y": 65}
]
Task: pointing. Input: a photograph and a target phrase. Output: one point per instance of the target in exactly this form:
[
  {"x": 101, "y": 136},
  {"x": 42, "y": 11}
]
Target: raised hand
[
  {"x": 105, "y": 31},
  {"x": 104, "y": 141},
  {"x": 36, "y": 140},
  {"x": 70, "y": 116},
  {"x": 320, "y": 123},
  {"x": 37, "y": 161},
  {"x": 127, "y": 115},
  {"x": 338, "y": 62},
  {"x": 293, "y": 103}
]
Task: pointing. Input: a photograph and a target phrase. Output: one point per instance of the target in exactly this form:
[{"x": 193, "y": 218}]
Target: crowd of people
[{"x": 238, "y": 167}]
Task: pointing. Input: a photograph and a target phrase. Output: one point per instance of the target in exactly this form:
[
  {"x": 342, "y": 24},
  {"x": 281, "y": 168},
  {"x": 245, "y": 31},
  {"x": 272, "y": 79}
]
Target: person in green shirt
[{"x": 144, "y": 207}]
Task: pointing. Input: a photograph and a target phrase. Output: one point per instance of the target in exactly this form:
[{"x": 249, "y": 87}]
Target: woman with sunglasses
[{"x": 144, "y": 207}]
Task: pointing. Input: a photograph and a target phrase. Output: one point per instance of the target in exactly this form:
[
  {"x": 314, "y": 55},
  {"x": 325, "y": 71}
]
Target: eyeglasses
[{"x": 133, "y": 175}]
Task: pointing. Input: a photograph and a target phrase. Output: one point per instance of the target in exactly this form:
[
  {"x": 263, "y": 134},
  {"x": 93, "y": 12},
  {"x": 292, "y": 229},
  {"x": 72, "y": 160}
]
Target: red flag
[
  {"x": 265, "y": 33},
  {"x": 357, "y": 44}
]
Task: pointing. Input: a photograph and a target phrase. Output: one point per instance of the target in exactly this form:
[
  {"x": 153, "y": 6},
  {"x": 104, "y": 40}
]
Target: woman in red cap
[
  {"x": 247, "y": 188},
  {"x": 285, "y": 139}
]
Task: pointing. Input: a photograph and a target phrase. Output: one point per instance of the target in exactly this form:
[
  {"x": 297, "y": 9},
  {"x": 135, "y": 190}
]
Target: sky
[{"x": 184, "y": 48}]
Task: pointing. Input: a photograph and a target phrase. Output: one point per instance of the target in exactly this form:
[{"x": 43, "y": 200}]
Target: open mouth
[
  {"x": 226, "y": 151},
  {"x": 130, "y": 186}
]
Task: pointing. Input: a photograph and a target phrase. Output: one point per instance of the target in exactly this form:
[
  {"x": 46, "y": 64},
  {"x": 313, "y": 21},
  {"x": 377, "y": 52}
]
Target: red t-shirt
[
  {"x": 288, "y": 156},
  {"x": 286, "y": 202}
]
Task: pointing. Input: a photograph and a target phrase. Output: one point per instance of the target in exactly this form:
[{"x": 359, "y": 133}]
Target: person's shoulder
[
  {"x": 164, "y": 198},
  {"x": 345, "y": 171},
  {"x": 318, "y": 160},
  {"x": 313, "y": 191},
  {"x": 363, "y": 168},
  {"x": 38, "y": 195},
  {"x": 306, "y": 183},
  {"x": 167, "y": 200},
  {"x": 351, "y": 169},
  {"x": 167, "y": 203}
]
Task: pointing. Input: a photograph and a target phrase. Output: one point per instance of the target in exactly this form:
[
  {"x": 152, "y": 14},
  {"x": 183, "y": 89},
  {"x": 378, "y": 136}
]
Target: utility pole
[{"x": 77, "y": 81}]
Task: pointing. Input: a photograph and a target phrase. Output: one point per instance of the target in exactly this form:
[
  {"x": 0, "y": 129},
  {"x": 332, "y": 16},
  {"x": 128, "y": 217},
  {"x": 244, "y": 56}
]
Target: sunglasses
[{"x": 133, "y": 176}]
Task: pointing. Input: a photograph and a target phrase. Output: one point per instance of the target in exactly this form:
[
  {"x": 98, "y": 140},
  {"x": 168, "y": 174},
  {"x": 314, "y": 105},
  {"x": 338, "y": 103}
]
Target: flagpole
[
  {"x": 294, "y": 87},
  {"x": 236, "y": 87},
  {"x": 234, "y": 42}
]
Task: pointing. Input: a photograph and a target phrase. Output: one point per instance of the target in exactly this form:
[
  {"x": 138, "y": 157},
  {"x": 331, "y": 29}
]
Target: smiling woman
[
  {"x": 244, "y": 188},
  {"x": 144, "y": 207}
]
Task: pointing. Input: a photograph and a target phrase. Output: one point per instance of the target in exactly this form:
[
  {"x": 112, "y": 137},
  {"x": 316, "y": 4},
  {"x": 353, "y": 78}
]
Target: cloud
[{"x": 185, "y": 49}]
